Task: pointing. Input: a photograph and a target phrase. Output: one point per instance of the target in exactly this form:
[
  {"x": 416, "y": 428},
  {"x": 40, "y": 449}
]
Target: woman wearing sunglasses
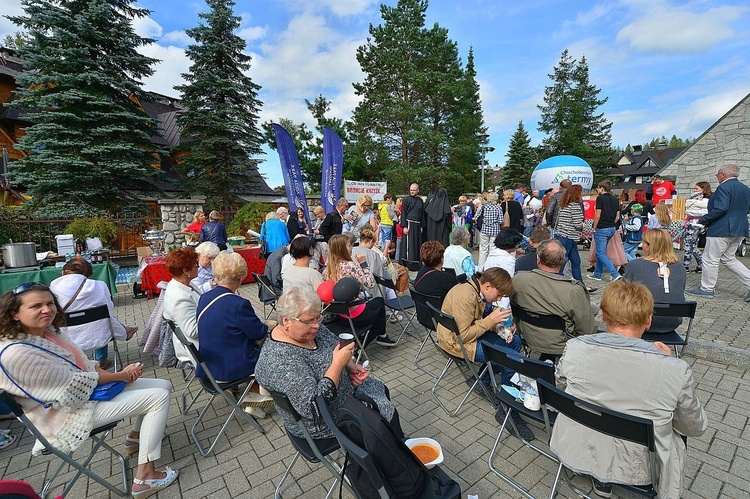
[{"x": 52, "y": 379}]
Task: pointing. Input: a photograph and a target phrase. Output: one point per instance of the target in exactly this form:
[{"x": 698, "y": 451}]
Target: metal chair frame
[
  {"x": 476, "y": 374},
  {"x": 341, "y": 309},
  {"x": 530, "y": 368},
  {"x": 425, "y": 318},
  {"x": 188, "y": 377},
  {"x": 352, "y": 450},
  {"x": 685, "y": 310},
  {"x": 265, "y": 283},
  {"x": 399, "y": 304},
  {"x": 80, "y": 317},
  {"x": 612, "y": 423},
  {"x": 97, "y": 434},
  {"x": 210, "y": 385},
  {"x": 314, "y": 450}
]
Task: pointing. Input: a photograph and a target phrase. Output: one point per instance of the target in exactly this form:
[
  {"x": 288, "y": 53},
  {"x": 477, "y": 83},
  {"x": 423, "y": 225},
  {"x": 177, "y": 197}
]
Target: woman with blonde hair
[
  {"x": 193, "y": 231},
  {"x": 340, "y": 265},
  {"x": 512, "y": 210},
  {"x": 661, "y": 217},
  {"x": 361, "y": 215},
  {"x": 662, "y": 273},
  {"x": 274, "y": 233}
]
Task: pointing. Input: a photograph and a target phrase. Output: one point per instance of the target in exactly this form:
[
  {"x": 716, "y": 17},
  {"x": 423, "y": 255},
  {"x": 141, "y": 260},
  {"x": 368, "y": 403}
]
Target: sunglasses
[{"x": 26, "y": 286}]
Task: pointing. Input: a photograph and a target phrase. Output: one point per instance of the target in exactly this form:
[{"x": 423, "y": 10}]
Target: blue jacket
[
  {"x": 727, "y": 210},
  {"x": 214, "y": 232},
  {"x": 227, "y": 335},
  {"x": 275, "y": 233}
]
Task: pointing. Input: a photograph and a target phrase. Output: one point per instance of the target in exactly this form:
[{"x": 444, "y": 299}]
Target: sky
[{"x": 666, "y": 67}]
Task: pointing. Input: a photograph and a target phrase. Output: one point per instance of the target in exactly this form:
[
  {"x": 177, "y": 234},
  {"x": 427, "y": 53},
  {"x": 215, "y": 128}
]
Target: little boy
[{"x": 633, "y": 227}]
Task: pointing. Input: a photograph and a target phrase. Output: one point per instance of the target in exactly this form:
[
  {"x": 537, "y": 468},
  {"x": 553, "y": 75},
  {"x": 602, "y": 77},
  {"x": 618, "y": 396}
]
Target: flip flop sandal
[{"x": 6, "y": 440}]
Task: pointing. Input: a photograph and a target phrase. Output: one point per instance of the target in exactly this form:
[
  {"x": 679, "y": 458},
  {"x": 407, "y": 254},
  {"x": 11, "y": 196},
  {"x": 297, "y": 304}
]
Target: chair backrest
[
  {"x": 266, "y": 283},
  {"x": 531, "y": 368},
  {"x": 424, "y": 315},
  {"x": 283, "y": 402},
  {"x": 87, "y": 316},
  {"x": 612, "y": 423},
  {"x": 353, "y": 451},
  {"x": 385, "y": 282},
  {"x": 411, "y": 265},
  {"x": 341, "y": 307},
  {"x": 449, "y": 323},
  {"x": 684, "y": 309},
  {"x": 194, "y": 353},
  {"x": 543, "y": 321}
]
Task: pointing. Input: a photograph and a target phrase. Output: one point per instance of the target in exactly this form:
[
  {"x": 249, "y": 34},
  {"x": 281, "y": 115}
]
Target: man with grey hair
[
  {"x": 333, "y": 222},
  {"x": 727, "y": 224},
  {"x": 545, "y": 291}
]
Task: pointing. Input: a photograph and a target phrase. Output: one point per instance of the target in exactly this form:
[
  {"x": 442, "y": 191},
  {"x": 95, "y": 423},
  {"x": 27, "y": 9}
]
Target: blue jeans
[
  {"x": 571, "y": 253},
  {"x": 630, "y": 249},
  {"x": 496, "y": 340},
  {"x": 101, "y": 353},
  {"x": 386, "y": 234},
  {"x": 526, "y": 232},
  {"x": 601, "y": 239}
]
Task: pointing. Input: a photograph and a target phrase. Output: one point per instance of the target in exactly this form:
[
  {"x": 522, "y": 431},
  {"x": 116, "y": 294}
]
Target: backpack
[{"x": 404, "y": 476}]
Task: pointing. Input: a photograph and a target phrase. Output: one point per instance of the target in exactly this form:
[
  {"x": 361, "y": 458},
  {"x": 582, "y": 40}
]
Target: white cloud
[
  {"x": 173, "y": 63},
  {"x": 147, "y": 27},
  {"x": 676, "y": 29},
  {"x": 253, "y": 32},
  {"x": 590, "y": 16},
  {"x": 339, "y": 8},
  {"x": 176, "y": 37}
]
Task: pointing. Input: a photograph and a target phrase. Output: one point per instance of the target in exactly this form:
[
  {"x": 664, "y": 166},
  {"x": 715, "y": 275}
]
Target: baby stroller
[{"x": 587, "y": 233}]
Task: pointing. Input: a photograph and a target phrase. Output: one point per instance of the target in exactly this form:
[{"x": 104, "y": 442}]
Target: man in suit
[
  {"x": 726, "y": 223},
  {"x": 332, "y": 224}
]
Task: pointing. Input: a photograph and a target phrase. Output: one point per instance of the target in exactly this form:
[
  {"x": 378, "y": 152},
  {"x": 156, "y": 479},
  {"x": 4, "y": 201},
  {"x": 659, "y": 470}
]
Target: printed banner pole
[
  {"x": 333, "y": 159},
  {"x": 295, "y": 189}
]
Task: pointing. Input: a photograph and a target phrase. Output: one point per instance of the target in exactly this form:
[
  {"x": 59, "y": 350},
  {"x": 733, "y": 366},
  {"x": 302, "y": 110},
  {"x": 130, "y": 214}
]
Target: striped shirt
[{"x": 570, "y": 222}]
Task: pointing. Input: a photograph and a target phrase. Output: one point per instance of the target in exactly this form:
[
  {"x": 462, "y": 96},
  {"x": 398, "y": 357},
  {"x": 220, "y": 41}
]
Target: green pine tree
[
  {"x": 407, "y": 126},
  {"x": 221, "y": 109},
  {"x": 521, "y": 159},
  {"x": 571, "y": 117},
  {"x": 89, "y": 148}
]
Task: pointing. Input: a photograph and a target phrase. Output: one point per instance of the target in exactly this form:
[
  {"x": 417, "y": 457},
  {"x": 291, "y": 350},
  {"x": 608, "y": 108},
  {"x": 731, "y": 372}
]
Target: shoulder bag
[{"x": 506, "y": 217}]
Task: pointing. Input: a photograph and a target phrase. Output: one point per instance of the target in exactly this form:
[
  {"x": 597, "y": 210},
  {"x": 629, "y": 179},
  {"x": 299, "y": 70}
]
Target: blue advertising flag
[
  {"x": 333, "y": 159},
  {"x": 295, "y": 189}
]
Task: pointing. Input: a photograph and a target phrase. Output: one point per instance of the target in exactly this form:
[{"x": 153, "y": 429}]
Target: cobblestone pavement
[{"x": 248, "y": 464}]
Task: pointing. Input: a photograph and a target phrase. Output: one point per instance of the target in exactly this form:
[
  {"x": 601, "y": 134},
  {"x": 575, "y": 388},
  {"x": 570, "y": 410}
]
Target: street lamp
[{"x": 484, "y": 151}]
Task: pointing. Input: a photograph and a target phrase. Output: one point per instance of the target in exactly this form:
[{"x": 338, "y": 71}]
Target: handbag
[
  {"x": 506, "y": 218},
  {"x": 479, "y": 221},
  {"x": 102, "y": 393}
]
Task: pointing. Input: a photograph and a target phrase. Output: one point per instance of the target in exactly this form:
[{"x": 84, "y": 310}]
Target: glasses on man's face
[
  {"x": 312, "y": 322},
  {"x": 26, "y": 286}
]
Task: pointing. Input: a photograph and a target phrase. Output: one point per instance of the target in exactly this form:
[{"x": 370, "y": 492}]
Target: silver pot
[{"x": 19, "y": 255}]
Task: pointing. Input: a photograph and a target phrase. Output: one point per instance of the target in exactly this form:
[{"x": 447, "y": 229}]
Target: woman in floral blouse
[{"x": 340, "y": 264}]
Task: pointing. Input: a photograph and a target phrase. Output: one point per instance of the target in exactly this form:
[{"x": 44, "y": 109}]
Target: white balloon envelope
[{"x": 550, "y": 172}]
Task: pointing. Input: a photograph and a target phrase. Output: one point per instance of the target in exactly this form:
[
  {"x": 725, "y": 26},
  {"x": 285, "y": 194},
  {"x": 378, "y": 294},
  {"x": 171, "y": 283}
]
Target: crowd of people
[{"x": 525, "y": 240}]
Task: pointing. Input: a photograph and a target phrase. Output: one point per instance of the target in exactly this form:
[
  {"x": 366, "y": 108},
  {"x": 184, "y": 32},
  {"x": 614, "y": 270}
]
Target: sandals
[
  {"x": 155, "y": 485},
  {"x": 6, "y": 439},
  {"x": 131, "y": 446}
]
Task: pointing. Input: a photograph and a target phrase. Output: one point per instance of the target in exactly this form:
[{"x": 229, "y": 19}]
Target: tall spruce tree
[
  {"x": 405, "y": 126},
  {"x": 89, "y": 148},
  {"x": 521, "y": 159},
  {"x": 570, "y": 116},
  {"x": 221, "y": 109}
]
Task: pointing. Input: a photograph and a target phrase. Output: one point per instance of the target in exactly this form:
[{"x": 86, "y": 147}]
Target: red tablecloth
[{"x": 156, "y": 271}]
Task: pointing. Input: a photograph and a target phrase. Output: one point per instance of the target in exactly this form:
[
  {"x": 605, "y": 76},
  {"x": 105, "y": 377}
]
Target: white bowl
[{"x": 424, "y": 440}]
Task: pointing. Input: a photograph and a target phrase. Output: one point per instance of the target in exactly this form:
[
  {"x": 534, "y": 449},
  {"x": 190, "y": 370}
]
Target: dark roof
[{"x": 649, "y": 162}]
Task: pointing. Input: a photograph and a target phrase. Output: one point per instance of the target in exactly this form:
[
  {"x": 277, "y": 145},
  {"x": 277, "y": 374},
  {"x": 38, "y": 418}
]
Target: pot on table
[{"x": 17, "y": 255}]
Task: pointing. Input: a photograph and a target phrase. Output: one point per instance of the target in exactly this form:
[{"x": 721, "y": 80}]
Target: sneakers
[
  {"x": 385, "y": 341},
  {"x": 525, "y": 431},
  {"x": 395, "y": 318},
  {"x": 592, "y": 276},
  {"x": 601, "y": 489},
  {"x": 701, "y": 292},
  {"x": 616, "y": 278}
]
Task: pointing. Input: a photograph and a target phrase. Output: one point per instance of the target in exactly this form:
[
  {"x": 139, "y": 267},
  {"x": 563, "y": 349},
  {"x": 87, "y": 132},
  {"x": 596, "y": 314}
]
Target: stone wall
[
  {"x": 176, "y": 214},
  {"x": 726, "y": 141}
]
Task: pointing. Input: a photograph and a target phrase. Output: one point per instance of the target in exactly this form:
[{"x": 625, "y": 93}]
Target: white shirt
[{"x": 180, "y": 305}]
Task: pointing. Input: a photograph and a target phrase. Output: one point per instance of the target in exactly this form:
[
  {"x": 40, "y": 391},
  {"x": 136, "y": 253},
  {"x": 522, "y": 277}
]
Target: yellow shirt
[{"x": 385, "y": 218}]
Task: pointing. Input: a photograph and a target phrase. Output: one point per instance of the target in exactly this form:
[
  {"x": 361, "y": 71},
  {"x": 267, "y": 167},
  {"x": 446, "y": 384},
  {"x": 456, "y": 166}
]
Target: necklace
[{"x": 310, "y": 346}]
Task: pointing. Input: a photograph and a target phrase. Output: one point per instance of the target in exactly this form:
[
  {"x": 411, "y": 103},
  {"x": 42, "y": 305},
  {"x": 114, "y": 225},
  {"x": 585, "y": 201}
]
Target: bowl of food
[{"x": 427, "y": 450}]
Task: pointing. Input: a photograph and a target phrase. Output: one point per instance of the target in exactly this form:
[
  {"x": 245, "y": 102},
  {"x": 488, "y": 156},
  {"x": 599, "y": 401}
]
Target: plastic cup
[{"x": 345, "y": 339}]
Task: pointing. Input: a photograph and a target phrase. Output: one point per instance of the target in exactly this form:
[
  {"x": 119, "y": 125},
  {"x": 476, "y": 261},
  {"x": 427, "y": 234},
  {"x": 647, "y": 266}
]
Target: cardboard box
[{"x": 143, "y": 251}]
